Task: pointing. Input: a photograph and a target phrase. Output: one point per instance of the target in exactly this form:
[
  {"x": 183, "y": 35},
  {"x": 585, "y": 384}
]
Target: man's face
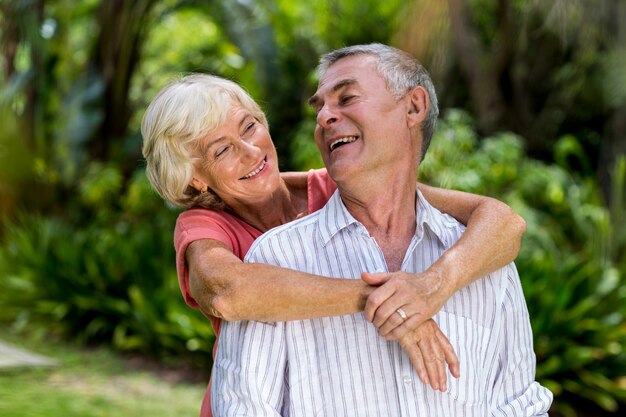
[{"x": 360, "y": 125}]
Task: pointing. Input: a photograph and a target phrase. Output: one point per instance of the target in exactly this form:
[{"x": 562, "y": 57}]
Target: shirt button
[{"x": 407, "y": 380}]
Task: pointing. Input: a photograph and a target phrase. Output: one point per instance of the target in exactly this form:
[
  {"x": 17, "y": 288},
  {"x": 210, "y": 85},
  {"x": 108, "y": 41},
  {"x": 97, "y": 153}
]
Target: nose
[
  {"x": 249, "y": 149},
  {"x": 327, "y": 116}
]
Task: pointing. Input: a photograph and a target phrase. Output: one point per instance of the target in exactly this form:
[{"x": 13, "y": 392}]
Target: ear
[
  {"x": 198, "y": 185},
  {"x": 418, "y": 105}
]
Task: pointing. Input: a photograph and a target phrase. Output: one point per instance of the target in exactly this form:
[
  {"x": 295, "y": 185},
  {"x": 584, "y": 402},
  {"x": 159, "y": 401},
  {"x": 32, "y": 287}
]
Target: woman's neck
[{"x": 287, "y": 203}]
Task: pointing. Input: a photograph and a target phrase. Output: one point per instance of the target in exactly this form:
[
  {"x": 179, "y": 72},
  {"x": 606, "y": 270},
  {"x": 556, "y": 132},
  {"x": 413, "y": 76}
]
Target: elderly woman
[{"x": 208, "y": 150}]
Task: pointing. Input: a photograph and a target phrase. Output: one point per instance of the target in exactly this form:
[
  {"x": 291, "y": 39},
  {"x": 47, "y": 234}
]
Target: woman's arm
[
  {"x": 230, "y": 289},
  {"x": 491, "y": 240}
]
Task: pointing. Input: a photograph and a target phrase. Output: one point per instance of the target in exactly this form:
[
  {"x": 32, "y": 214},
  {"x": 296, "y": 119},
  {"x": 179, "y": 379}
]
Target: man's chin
[{"x": 340, "y": 171}]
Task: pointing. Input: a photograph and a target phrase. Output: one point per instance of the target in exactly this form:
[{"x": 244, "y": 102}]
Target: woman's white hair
[{"x": 181, "y": 114}]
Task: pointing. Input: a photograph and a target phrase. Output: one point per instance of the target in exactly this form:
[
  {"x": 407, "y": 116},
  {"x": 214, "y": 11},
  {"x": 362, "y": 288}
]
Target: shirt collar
[
  {"x": 437, "y": 222},
  {"x": 334, "y": 217}
]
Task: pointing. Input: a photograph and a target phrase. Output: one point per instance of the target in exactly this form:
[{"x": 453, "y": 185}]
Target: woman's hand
[
  {"x": 419, "y": 296},
  {"x": 430, "y": 350}
]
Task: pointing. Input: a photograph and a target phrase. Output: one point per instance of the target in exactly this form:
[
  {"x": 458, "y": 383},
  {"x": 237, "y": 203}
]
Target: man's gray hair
[{"x": 401, "y": 72}]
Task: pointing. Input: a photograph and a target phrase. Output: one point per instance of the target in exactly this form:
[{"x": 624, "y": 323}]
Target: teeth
[
  {"x": 336, "y": 143},
  {"x": 256, "y": 171}
]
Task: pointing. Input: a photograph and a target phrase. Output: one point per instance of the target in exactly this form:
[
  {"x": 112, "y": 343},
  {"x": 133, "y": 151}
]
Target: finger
[
  {"x": 450, "y": 355},
  {"x": 393, "y": 321},
  {"x": 416, "y": 358},
  {"x": 442, "y": 347},
  {"x": 408, "y": 325},
  {"x": 375, "y": 300},
  {"x": 388, "y": 310},
  {"x": 375, "y": 279},
  {"x": 440, "y": 364},
  {"x": 432, "y": 361}
]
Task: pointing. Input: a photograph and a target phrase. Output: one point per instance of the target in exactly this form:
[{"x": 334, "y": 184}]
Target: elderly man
[{"x": 376, "y": 112}]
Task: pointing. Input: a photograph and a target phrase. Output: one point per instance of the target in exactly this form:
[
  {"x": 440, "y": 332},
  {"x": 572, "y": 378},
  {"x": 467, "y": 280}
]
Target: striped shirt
[{"x": 340, "y": 366}]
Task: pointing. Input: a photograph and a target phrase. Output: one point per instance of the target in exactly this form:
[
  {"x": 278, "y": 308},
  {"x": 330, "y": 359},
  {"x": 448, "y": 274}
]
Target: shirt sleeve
[
  {"x": 515, "y": 391},
  {"x": 250, "y": 367},
  {"x": 249, "y": 370}
]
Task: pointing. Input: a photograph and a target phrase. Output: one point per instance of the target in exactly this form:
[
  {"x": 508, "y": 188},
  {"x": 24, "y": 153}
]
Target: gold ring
[{"x": 401, "y": 313}]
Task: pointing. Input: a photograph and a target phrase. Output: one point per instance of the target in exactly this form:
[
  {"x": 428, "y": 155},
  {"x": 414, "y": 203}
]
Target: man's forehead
[
  {"x": 348, "y": 71},
  {"x": 334, "y": 86},
  {"x": 350, "y": 67}
]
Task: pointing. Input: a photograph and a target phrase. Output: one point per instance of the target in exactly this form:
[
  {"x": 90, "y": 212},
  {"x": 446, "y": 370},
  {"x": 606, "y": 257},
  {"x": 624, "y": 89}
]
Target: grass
[{"x": 93, "y": 383}]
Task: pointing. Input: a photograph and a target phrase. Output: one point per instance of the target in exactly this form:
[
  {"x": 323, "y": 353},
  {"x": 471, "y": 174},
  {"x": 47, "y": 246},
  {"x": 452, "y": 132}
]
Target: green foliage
[
  {"x": 15, "y": 162},
  {"x": 305, "y": 153},
  {"x": 108, "y": 276},
  {"x": 571, "y": 262}
]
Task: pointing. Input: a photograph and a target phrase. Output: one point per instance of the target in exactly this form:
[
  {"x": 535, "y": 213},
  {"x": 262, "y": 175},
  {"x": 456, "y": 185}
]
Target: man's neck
[{"x": 387, "y": 210}]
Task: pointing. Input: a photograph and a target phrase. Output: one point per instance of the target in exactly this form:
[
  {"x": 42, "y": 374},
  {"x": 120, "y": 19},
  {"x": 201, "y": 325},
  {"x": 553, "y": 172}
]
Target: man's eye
[{"x": 345, "y": 99}]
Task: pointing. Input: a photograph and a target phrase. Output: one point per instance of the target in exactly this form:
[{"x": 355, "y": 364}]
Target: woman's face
[{"x": 239, "y": 161}]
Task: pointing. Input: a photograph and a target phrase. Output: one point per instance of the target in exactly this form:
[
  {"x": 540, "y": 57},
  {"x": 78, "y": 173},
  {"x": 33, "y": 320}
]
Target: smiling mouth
[
  {"x": 340, "y": 142},
  {"x": 256, "y": 171}
]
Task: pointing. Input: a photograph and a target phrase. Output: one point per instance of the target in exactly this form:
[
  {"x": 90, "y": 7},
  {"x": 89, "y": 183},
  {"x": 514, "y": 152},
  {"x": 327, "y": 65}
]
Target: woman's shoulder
[
  {"x": 315, "y": 185},
  {"x": 200, "y": 223},
  {"x": 302, "y": 179},
  {"x": 198, "y": 218},
  {"x": 320, "y": 188},
  {"x": 201, "y": 215}
]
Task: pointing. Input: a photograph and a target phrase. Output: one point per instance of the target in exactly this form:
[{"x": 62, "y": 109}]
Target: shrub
[
  {"x": 107, "y": 275},
  {"x": 571, "y": 262}
]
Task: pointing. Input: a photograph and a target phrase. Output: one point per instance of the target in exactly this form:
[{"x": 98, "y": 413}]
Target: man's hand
[
  {"x": 430, "y": 350},
  {"x": 419, "y": 296}
]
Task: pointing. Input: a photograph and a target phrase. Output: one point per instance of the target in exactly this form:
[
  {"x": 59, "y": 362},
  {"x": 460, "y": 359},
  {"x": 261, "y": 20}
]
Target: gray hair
[
  {"x": 401, "y": 73},
  {"x": 174, "y": 123}
]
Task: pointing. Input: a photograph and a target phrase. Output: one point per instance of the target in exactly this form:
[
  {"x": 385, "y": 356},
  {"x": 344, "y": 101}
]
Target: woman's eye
[
  {"x": 249, "y": 127},
  {"x": 220, "y": 151}
]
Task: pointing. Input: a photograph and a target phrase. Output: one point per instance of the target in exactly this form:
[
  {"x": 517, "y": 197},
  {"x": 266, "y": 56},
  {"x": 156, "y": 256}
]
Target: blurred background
[{"x": 533, "y": 98}]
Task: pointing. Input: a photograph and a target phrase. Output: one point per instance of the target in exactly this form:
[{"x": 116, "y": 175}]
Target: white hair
[{"x": 181, "y": 114}]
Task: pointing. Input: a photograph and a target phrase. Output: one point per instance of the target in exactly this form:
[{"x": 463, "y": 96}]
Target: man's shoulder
[
  {"x": 287, "y": 232},
  {"x": 444, "y": 226}
]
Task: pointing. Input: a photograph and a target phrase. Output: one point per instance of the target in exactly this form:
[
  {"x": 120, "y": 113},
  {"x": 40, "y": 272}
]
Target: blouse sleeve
[
  {"x": 320, "y": 188},
  {"x": 192, "y": 225}
]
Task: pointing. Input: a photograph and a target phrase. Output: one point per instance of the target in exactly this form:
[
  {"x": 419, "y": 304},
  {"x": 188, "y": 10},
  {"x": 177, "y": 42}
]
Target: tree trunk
[
  {"x": 115, "y": 56},
  {"x": 21, "y": 23},
  {"x": 10, "y": 39},
  {"x": 614, "y": 141},
  {"x": 482, "y": 68}
]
